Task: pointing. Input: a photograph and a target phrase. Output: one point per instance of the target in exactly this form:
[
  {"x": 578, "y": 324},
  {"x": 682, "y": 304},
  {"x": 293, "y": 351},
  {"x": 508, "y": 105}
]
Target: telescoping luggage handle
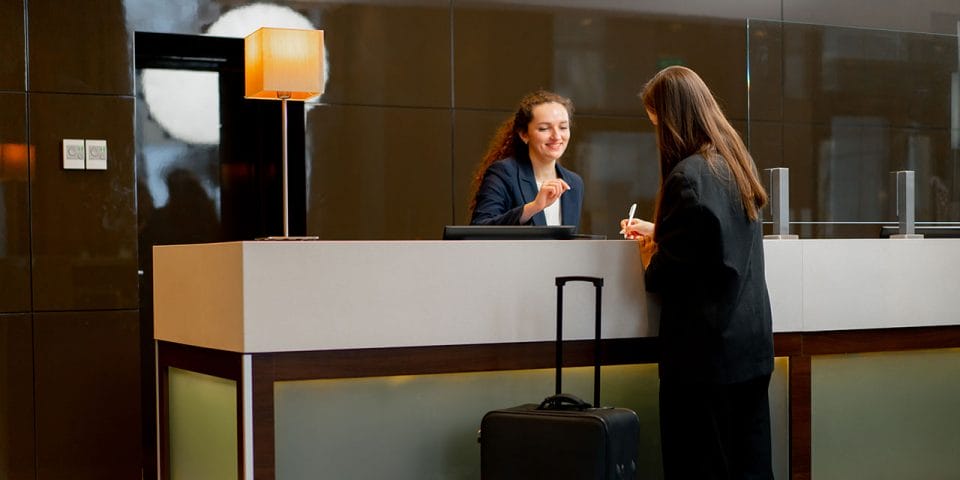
[{"x": 598, "y": 284}]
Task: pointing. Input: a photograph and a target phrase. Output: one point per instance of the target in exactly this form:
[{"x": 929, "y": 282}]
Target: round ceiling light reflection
[{"x": 186, "y": 103}]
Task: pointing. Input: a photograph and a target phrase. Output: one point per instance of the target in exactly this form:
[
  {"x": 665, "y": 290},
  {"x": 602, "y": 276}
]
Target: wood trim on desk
[
  {"x": 264, "y": 453},
  {"x": 880, "y": 340},
  {"x": 380, "y": 362},
  {"x": 800, "y": 417}
]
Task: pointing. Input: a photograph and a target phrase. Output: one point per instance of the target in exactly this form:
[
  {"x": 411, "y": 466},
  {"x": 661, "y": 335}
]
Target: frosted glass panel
[
  {"x": 425, "y": 426},
  {"x": 203, "y": 426},
  {"x": 886, "y": 415}
]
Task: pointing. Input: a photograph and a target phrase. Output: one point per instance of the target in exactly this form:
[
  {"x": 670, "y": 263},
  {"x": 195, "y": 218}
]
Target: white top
[
  {"x": 552, "y": 212},
  {"x": 270, "y": 296}
]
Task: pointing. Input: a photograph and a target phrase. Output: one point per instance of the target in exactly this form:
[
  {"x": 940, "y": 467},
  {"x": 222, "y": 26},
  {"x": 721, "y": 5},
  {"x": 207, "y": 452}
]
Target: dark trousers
[{"x": 711, "y": 431}]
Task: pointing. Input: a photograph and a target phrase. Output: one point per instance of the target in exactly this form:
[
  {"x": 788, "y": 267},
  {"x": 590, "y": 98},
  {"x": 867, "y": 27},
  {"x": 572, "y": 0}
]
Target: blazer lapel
[
  {"x": 528, "y": 189},
  {"x": 568, "y": 207}
]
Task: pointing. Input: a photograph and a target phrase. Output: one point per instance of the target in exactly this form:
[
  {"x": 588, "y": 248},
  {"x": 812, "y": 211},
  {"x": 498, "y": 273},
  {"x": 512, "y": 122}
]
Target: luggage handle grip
[
  {"x": 598, "y": 285},
  {"x": 596, "y": 281},
  {"x": 563, "y": 401}
]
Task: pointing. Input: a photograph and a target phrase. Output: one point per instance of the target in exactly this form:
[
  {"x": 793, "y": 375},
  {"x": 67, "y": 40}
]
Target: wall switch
[
  {"x": 73, "y": 154},
  {"x": 96, "y": 154}
]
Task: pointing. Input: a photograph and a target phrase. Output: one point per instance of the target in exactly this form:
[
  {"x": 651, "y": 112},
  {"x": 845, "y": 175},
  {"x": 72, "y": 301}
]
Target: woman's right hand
[
  {"x": 550, "y": 192},
  {"x": 635, "y": 228}
]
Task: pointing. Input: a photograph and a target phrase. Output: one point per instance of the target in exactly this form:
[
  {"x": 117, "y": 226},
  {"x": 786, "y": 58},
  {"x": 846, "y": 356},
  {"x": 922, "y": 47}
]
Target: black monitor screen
[{"x": 508, "y": 232}]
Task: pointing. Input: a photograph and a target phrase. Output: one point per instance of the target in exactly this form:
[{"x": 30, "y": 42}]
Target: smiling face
[{"x": 548, "y": 132}]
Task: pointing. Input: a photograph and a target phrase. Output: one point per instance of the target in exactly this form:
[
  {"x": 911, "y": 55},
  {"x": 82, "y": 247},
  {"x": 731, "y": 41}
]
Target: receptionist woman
[{"x": 520, "y": 180}]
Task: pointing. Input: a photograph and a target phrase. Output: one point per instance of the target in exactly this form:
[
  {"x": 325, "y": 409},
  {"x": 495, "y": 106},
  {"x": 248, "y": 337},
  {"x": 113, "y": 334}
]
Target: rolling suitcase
[{"x": 562, "y": 437}]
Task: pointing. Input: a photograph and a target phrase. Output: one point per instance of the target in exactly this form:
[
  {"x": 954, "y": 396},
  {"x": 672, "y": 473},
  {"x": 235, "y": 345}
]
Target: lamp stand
[
  {"x": 283, "y": 126},
  {"x": 284, "y": 96}
]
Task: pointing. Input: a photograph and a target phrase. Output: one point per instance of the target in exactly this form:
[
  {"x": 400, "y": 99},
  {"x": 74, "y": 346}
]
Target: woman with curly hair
[{"x": 520, "y": 180}]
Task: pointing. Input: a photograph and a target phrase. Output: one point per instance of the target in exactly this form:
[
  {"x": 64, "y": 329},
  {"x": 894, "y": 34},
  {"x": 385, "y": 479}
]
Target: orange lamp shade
[{"x": 283, "y": 63}]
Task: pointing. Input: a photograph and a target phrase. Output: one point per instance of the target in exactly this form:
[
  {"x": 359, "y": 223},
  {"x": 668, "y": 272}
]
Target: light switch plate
[
  {"x": 73, "y": 154},
  {"x": 96, "y": 154}
]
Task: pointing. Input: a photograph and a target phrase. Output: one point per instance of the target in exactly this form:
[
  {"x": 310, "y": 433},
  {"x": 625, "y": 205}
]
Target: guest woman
[{"x": 703, "y": 255}]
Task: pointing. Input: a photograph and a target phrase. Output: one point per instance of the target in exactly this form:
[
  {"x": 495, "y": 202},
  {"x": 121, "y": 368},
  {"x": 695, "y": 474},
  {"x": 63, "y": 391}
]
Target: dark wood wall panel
[
  {"x": 84, "y": 221},
  {"x": 14, "y": 203},
  {"x": 367, "y": 65},
  {"x": 16, "y": 398},
  {"x": 88, "y": 395},
  {"x": 11, "y": 46},
  {"x": 362, "y": 171},
  {"x": 81, "y": 47}
]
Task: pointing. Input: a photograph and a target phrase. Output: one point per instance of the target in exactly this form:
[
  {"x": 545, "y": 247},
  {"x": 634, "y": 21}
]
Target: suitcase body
[
  {"x": 563, "y": 437},
  {"x": 527, "y": 442}
]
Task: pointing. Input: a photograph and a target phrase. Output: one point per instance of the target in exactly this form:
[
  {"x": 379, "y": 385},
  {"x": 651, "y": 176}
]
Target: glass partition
[
  {"x": 203, "y": 426},
  {"x": 842, "y": 108},
  {"x": 426, "y": 425},
  {"x": 886, "y": 415}
]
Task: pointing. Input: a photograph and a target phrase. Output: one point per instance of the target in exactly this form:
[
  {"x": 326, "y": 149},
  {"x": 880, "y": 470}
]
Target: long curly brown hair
[{"x": 506, "y": 142}]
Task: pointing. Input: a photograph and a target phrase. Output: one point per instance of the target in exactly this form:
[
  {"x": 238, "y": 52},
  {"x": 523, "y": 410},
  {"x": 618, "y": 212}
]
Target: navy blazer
[
  {"x": 509, "y": 184},
  {"x": 715, "y": 319}
]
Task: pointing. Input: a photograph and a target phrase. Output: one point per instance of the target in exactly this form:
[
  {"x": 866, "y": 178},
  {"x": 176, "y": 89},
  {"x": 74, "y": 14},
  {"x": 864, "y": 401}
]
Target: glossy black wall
[
  {"x": 69, "y": 380},
  {"x": 12, "y": 72},
  {"x": 415, "y": 90}
]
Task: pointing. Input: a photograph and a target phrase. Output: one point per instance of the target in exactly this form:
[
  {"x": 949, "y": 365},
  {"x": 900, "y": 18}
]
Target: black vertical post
[
  {"x": 596, "y": 351},
  {"x": 559, "y": 345}
]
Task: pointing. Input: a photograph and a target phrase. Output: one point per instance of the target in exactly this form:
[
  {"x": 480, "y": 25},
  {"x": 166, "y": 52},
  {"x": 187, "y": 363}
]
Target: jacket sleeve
[
  {"x": 495, "y": 204},
  {"x": 686, "y": 237}
]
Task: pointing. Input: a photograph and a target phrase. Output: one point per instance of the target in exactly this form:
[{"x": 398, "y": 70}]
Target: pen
[{"x": 633, "y": 210}]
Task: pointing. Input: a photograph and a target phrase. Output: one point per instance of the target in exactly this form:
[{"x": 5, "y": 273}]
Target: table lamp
[{"x": 284, "y": 64}]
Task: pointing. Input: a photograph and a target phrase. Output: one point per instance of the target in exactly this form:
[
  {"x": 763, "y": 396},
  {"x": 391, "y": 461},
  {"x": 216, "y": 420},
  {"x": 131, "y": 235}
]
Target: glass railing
[{"x": 843, "y": 107}]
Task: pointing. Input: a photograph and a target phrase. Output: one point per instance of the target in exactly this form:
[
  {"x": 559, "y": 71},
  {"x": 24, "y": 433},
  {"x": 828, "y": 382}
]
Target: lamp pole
[{"x": 283, "y": 123}]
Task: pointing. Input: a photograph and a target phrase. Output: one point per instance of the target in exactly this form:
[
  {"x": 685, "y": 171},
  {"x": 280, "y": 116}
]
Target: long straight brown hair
[{"x": 689, "y": 121}]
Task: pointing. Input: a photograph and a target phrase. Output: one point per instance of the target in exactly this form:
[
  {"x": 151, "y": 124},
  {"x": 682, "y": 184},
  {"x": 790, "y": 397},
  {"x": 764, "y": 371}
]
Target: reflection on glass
[
  {"x": 13, "y": 178},
  {"x": 849, "y": 106},
  {"x": 178, "y": 137}
]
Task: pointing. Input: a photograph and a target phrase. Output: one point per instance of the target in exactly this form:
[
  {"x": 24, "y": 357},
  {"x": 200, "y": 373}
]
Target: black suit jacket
[
  {"x": 715, "y": 320},
  {"x": 509, "y": 184}
]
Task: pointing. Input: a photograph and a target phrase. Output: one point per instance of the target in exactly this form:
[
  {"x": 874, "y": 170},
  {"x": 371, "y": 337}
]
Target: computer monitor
[{"x": 508, "y": 232}]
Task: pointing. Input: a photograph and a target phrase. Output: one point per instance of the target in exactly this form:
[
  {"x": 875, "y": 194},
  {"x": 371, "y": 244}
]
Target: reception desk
[{"x": 265, "y": 315}]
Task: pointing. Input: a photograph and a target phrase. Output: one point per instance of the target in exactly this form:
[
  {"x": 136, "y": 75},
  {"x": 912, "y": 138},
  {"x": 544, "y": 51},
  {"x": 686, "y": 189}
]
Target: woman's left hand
[{"x": 647, "y": 248}]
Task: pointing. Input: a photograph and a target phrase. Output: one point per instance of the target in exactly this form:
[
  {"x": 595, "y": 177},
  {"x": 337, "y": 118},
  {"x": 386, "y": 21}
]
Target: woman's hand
[
  {"x": 647, "y": 248},
  {"x": 550, "y": 192},
  {"x": 636, "y": 228},
  {"x": 642, "y": 232}
]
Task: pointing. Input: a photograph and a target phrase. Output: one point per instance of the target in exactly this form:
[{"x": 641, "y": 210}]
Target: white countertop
[{"x": 269, "y": 296}]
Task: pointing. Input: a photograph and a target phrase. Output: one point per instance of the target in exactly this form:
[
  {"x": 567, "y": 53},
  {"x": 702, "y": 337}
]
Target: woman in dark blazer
[
  {"x": 703, "y": 255},
  {"x": 520, "y": 180}
]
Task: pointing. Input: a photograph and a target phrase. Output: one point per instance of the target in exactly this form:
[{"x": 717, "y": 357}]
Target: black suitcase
[{"x": 563, "y": 437}]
